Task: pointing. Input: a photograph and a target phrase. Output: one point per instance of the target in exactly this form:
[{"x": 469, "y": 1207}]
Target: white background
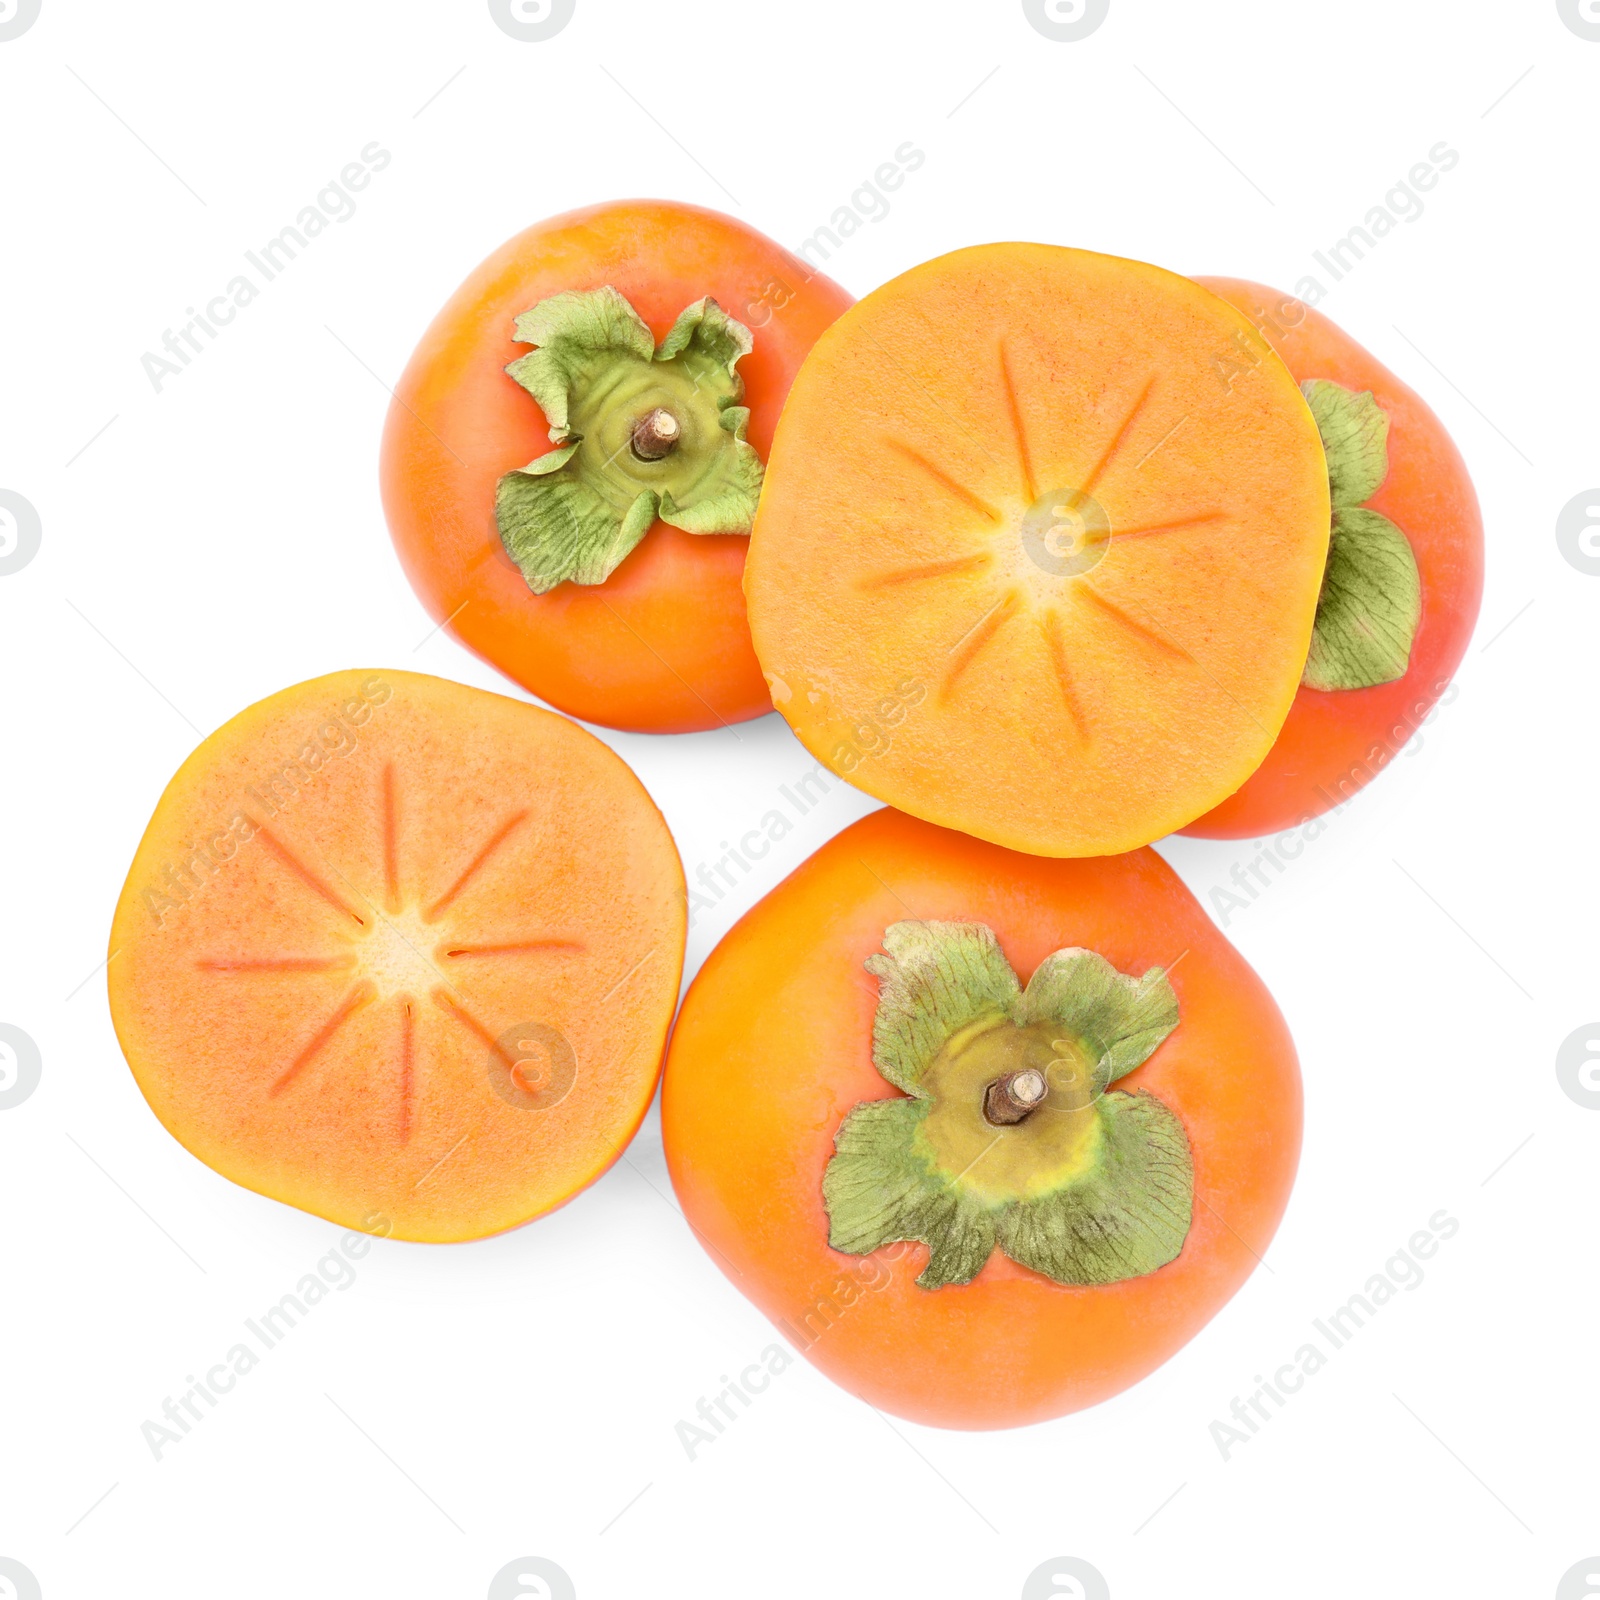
[{"x": 459, "y": 1407}]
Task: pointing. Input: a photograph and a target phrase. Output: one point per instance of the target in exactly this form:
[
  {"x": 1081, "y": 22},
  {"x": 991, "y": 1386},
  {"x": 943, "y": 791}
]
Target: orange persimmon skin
[
  {"x": 773, "y": 1047},
  {"x": 1334, "y": 742},
  {"x": 662, "y": 646}
]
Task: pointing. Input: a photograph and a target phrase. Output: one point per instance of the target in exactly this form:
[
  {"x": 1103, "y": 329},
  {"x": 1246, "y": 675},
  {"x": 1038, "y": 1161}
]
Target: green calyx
[
  {"x": 1086, "y": 1186},
  {"x": 643, "y": 431},
  {"x": 1371, "y": 599}
]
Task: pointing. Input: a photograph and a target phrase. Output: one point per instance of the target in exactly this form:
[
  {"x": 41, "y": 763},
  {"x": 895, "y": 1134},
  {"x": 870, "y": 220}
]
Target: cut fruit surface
[
  {"x": 401, "y": 953},
  {"x": 1039, "y": 548}
]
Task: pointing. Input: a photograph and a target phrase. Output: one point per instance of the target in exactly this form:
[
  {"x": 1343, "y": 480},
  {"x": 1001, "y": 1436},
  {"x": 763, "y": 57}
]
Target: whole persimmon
[
  {"x": 576, "y": 448},
  {"x": 1015, "y": 1173},
  {"x": 1404, "y": 579}
]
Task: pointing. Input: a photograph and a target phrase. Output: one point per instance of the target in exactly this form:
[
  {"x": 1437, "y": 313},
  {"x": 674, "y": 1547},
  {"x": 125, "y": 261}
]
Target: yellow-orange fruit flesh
[
  {"x": 1039, "y": 548},
  {"x": 401, "y": 953}
]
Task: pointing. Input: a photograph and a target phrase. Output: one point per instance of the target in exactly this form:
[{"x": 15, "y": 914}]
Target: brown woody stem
[
  {"x": 655, "y": 435},
  {"x": 1009, "y": 1100}
]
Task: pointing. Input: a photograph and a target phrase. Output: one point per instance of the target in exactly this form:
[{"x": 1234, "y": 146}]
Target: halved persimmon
[
  {"x": 398, "y": 951},
  {"x": 575, "y": 449},
  {"x": 1404, "y": 580},
  {"x": 1016, "y": 491},
  {"x": 1017, "y": 1172}
]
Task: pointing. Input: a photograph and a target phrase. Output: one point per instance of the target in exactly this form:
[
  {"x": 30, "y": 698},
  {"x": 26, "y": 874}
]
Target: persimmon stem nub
[
  {"x": 655, "y": 435},
  {"x": 1009, "y": 1100}
]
